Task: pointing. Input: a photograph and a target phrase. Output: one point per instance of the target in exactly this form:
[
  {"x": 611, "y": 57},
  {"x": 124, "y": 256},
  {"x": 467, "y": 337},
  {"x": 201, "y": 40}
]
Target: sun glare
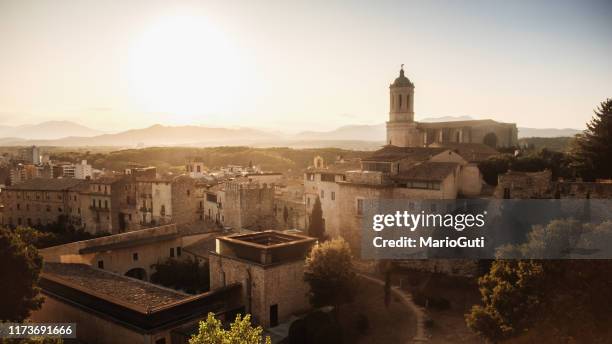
[{"x": 184, "y": 66}]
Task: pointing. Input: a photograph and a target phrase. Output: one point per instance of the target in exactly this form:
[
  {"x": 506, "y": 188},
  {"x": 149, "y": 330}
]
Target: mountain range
[
  {"x": 47, "y": 130},
  {"x": 64, "y": 133}
]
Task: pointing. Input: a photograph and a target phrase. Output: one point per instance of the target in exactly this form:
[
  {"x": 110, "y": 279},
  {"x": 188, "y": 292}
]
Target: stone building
[
  {"x": 321, "y": 181},
  {"x": 404, "y": 131},
  {"x": 100, "y": 285},
  {"x": 106, "y": 205},
  {"x": 247, "y": 204},
  {"x": 290, "y": 206},
  {"x": 389, "y": 173},
  {"x": 513, "y": 184},
  {"x": 523, "y": 185},
  {"x": 37, "y": 202},
  {"x": 270, "y": 267}
]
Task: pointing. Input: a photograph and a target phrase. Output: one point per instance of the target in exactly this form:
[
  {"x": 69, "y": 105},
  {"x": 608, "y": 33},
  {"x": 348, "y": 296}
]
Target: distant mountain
[
  {"x": 375, "y": 132},
  {"x": 47, "y": 130},
  {"x": 364, "y": 137},
  {"x": 547, "y": 132},
  {"x": 159, "y": 135}
]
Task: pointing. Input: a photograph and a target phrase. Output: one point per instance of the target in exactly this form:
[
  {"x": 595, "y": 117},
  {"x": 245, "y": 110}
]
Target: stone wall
[
  {"x": 247, "y": 204},
  {"x": 282, "y": 285},
  {"x": 524, "y": 185}
]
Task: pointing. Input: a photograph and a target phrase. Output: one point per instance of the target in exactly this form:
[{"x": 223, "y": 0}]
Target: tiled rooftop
[
  {"x": 111, "y": 287},
  {"x": 47, "y": 184}
]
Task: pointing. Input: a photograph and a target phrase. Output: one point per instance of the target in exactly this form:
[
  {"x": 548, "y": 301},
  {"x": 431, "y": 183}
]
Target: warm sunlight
[{"x": 183, "y": 65}]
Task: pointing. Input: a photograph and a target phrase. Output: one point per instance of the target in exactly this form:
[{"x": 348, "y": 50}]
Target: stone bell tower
[{"x": 402, "y": 130}]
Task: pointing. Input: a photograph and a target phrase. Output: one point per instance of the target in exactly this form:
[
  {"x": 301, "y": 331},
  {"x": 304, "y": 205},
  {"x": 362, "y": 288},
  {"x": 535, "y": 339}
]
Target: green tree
[
  {"x": 316, "y": 227},
  {"x": 20, "y": 266},
  {"x": 329, "y": 273},
  {"x": 511, "y": 293},
  {"x": 593, "y": 149},
  {"x": 240, "y": 332},
  {"x": 520, "y": 295}
]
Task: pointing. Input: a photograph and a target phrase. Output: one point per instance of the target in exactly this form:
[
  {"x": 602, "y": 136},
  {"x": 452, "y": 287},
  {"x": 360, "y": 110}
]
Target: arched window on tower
[
  {"x": 408, "y": 101},
  {"x": 400, "y": 101}
]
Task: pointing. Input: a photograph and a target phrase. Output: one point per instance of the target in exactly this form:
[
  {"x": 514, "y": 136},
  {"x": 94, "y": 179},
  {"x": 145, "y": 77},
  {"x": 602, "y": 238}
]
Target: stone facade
[
  {"x": 270, "y": 267},
  {"x": 247, "y": 203},
  {"x": 105, "y": 205},
  {"x": 513, "y": 184},
  {"x": 131, "y": 253}
]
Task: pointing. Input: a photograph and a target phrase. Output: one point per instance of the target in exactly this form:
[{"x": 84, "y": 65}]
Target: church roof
[
  {"x": 402, "y": 80},
  {"x": 393, "y": 153}
]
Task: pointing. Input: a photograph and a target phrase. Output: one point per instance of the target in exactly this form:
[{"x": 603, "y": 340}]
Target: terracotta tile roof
[
  {"x": 394, "y": 153},
  {"x": 47, "y": 184},
  {"x": 111, "y": 286},
  {"x": 427, "y": 171},
  {"x": 470, "y": 151}
]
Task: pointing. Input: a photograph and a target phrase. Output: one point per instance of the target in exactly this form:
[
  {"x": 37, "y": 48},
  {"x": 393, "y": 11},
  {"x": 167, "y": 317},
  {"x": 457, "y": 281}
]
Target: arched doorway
[
  {"x": 138, "y": 273},
  {"x": 490, "y": 140}
]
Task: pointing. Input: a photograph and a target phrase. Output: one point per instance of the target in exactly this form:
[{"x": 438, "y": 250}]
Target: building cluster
[
  {"x": 245, "y": 224},
  {"x": 102, "y": 284},
  {"x": 31, "y": 162},
  {"x": 141, "y": 198}
]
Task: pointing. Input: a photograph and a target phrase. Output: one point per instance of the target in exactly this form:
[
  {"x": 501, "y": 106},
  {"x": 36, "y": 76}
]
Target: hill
[{"x": 47, "y": 131}]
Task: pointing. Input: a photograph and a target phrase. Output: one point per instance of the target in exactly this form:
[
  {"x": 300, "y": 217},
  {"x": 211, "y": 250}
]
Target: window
[
  {"x": 178, "y": 251},
  {"x": 134, "y": 256},
  {"x": 322, "y": 194},
  {"x": 333, "y": 195},
  {"x": 100, "y": 264},
  {"x": 188, "y": 192},
  {"x": 328, "y": 177},
  {"x": 359, "y": 206},
  {"x": 399, "y": 97},
  {"x": 18, "y": 206},
  {"x": 172, "y": 252},
  {"x": 106, "y": 204}
]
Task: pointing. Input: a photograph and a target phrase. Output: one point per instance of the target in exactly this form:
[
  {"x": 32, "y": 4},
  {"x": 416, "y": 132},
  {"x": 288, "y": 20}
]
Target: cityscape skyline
[{"x": 308, "y": 66}]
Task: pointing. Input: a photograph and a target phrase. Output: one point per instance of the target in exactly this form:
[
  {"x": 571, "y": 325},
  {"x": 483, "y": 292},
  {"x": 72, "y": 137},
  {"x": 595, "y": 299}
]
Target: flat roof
[{"x": 267, "y": 239}]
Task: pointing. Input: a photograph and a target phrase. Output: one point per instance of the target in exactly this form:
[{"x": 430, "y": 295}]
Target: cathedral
[{"x": 403, "y": 131}]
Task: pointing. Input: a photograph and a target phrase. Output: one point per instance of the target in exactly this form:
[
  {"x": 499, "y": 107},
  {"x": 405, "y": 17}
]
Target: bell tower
[
  {"x": 402, "y": 130},
  {"x": 401, "y": 98}
]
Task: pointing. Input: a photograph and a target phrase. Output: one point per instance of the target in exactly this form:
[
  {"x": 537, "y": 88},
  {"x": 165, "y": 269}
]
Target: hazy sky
[{"x": 303, "y": 65}]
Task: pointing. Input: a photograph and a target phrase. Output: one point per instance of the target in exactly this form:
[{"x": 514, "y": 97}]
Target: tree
[
  {"x": 593, "y": 148},
  {"x": 241, "y": 332},
  {"x": 520, "y": 295},
  {"x": 20, "y": 266},
  {"x": 316, "y": 227},
  {"x": 186, "y": 274},
  {"x": 511, "y": 293},
  {"x": 329, "y": 272}
]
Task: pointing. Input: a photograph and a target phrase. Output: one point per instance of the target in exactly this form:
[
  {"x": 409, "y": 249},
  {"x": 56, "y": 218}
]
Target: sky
[{"x": 307, "y": 65}]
